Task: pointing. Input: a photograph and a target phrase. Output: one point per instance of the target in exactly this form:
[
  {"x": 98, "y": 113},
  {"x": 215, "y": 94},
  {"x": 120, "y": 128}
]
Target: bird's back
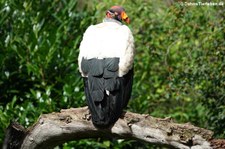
[{"x": 107, "y": 39}]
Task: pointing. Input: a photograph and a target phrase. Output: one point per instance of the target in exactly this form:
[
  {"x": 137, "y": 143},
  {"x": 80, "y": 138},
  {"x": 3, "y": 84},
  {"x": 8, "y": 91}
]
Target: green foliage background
[{"x": 179, "y": 63}]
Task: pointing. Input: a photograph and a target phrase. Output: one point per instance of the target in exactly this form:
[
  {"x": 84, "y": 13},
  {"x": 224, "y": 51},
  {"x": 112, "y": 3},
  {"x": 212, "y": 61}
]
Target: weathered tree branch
[{"x": 73, "y": 124}]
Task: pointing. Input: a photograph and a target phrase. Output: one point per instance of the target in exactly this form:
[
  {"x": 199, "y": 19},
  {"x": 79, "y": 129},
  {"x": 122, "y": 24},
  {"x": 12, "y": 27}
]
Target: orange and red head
[{"x": 118, "y": 13}]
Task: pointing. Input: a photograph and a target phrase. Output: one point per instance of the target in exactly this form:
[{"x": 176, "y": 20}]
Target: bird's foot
[{"x": 87, "y": 116}]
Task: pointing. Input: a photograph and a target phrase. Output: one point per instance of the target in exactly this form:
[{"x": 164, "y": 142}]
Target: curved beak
[{"x": 125, "y": 17}]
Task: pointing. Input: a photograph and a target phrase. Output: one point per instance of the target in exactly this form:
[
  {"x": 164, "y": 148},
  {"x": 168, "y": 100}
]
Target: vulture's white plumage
[{"x": 106, "y": 65}]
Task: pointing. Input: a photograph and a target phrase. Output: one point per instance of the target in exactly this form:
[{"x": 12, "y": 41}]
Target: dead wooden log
[{"x": 73, "y": 124}]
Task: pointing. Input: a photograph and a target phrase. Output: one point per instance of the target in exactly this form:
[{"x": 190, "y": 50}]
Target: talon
[{"x": 87, "y": 116}]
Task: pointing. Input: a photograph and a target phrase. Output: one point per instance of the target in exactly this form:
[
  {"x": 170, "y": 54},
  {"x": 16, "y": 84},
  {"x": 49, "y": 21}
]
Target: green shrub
[{"x": 39, "y": 58}]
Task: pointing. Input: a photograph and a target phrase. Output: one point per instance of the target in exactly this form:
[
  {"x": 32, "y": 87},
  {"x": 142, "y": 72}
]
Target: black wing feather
[{"x": 106, "y": 109}]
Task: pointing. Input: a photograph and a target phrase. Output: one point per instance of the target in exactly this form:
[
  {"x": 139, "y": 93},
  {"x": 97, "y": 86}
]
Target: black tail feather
[
  {"x": 106, "y": 112},
  {"x": 106, "y": 93}
]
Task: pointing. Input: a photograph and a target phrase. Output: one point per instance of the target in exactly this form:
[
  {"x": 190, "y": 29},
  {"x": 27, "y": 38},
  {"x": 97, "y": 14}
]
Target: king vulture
[{"x": 106, "y": 64}]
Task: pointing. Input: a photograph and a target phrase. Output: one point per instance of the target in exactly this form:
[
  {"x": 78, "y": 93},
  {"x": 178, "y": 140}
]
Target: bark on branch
[{"x": 73, "y": 124}]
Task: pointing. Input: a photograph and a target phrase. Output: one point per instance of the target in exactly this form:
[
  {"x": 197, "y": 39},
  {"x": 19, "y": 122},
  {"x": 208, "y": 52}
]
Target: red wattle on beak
[{"x": 127, "y": 20}]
